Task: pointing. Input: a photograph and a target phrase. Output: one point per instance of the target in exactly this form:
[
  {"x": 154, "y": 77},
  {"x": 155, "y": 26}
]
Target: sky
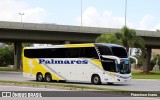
[{"x": 141, "y": 14}]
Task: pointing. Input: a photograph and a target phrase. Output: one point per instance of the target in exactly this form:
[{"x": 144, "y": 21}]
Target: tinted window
[
  {"x": 119, "y": 52},
  {"x": 109, "y": 65},
  {"x": 45, "y": 53},
  {"x": 87, "y": 52},
  {"x": 104, "y": 50},
  {"x": 72, "y": 52}
]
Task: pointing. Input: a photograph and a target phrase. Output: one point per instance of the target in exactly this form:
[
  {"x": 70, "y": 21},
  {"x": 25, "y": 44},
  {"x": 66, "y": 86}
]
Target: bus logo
[{"x": 52, "y": 61}]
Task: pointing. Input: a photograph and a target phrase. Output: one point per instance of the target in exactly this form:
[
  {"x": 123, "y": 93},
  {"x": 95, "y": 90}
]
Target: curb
[
  {"x": 68, "y": 88},
  {"x": 148, "y": 79},
  {"x": 46, "y": 86}
]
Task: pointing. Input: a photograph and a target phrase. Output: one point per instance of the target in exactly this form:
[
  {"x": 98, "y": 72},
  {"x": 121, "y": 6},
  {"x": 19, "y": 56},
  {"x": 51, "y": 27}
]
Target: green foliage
[
  {"x": 26, "y": 44},
  {"x": 6, "y": 56},
  {"x": 9, "y": 69},
  {"x": 140, "y": 75},
  {"x": 158, "y": 30},
  {"x": 108, "y": 38},
  {"x": 154, "y": 60},
  {"x": 130, "y": 39}
]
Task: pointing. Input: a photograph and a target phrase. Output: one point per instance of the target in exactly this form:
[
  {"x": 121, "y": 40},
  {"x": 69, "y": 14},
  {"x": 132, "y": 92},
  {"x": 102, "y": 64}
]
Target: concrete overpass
[{"x": 50, "y": 33}]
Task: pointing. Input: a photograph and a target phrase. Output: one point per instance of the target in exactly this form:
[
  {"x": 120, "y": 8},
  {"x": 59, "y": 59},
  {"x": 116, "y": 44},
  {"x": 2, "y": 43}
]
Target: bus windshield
[
  {"x": 115, "y": 51},
  {"x": 119, "y": 52},
  {"x": 124, "y": 67},
  {"x": 111, "y": 64}
]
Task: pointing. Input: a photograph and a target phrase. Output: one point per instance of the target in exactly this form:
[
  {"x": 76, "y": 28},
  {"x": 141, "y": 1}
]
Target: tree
[
  {"x": 130, "y": 39},
  {"x": 23, "y": 44},
  {"x": 108, "y": 38},
  {"x": 7, "y": 53},
  {"x": 158, "y": 30},
  {"x": 26, "y": 44},
  {"x": 6, "y": 56}
]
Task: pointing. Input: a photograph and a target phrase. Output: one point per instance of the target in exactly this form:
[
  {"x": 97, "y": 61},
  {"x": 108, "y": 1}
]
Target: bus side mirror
[{"x": 136, "y": 60}]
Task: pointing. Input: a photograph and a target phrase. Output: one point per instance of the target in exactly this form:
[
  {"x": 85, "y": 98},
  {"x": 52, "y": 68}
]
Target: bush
[{"x": 6, "y": 56}]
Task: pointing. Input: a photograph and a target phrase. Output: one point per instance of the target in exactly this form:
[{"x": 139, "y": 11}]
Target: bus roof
[
  {"x": 109, "y": 44},
  {"x": 75, "y": 45}
]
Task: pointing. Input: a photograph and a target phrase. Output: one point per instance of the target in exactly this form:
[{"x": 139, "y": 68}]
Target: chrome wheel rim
[
  {"x": 96, "y": 80},
  {"x": 48, "y": 78},
  {"x": 39, "y": 77}
]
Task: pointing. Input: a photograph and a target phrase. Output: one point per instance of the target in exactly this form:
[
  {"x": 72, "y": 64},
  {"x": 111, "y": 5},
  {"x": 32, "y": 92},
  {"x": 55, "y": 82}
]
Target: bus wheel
[
  {"x": 48, "y": 77},
  {"x": 39, "y": 77},
  {"x": 96, "y": 79}
]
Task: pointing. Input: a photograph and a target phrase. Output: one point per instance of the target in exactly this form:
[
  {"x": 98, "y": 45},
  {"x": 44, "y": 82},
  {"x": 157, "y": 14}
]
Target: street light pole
[
  {"x": 125, "y": 12},
  {"x": 130, "y": 50},
  {"x": 81, "y": 13},
  {"x": 21, "y": 14}
]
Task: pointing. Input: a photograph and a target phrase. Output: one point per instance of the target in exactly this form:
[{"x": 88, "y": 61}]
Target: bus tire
[
  {"x": 48, "y": 77},
  {"x": 96, "y": 79},
  {"x": 39, "y": 77}
]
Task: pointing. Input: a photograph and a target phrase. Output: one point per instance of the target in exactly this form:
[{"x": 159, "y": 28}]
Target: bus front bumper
[
  {"x": 122, "y": 79},
  {"x": 117, "y": 79}
]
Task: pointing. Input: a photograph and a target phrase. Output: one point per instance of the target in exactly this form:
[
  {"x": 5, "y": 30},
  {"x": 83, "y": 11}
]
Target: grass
[
  {"x": 9, "y": 69},
  {"x": 141, "y": 75}
]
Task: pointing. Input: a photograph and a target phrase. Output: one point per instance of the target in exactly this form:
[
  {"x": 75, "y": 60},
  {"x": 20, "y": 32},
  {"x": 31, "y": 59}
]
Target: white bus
[{"x": 92, "y": 63}]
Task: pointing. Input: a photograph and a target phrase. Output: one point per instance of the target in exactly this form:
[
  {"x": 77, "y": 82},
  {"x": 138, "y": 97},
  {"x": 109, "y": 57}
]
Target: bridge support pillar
[
  {"x": 146, "y": 60},
  {"x": 17, "y": 55}
]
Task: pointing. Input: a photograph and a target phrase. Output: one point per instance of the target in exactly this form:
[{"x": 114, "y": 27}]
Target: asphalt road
[
  {"x": 19, "y": 88},
  {"x": 54, "y": 92},
  {"x": 134, "y": 85}
]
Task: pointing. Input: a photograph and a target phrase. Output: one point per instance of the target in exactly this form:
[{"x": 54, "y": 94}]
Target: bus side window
[
  {"x": 104, "y": 50},
  {"x": 85, "y": 52},
  {"x": 89, "y": 52},
  {"x": 73, "y": 52},
  {"x": 58, "y": 53}
]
